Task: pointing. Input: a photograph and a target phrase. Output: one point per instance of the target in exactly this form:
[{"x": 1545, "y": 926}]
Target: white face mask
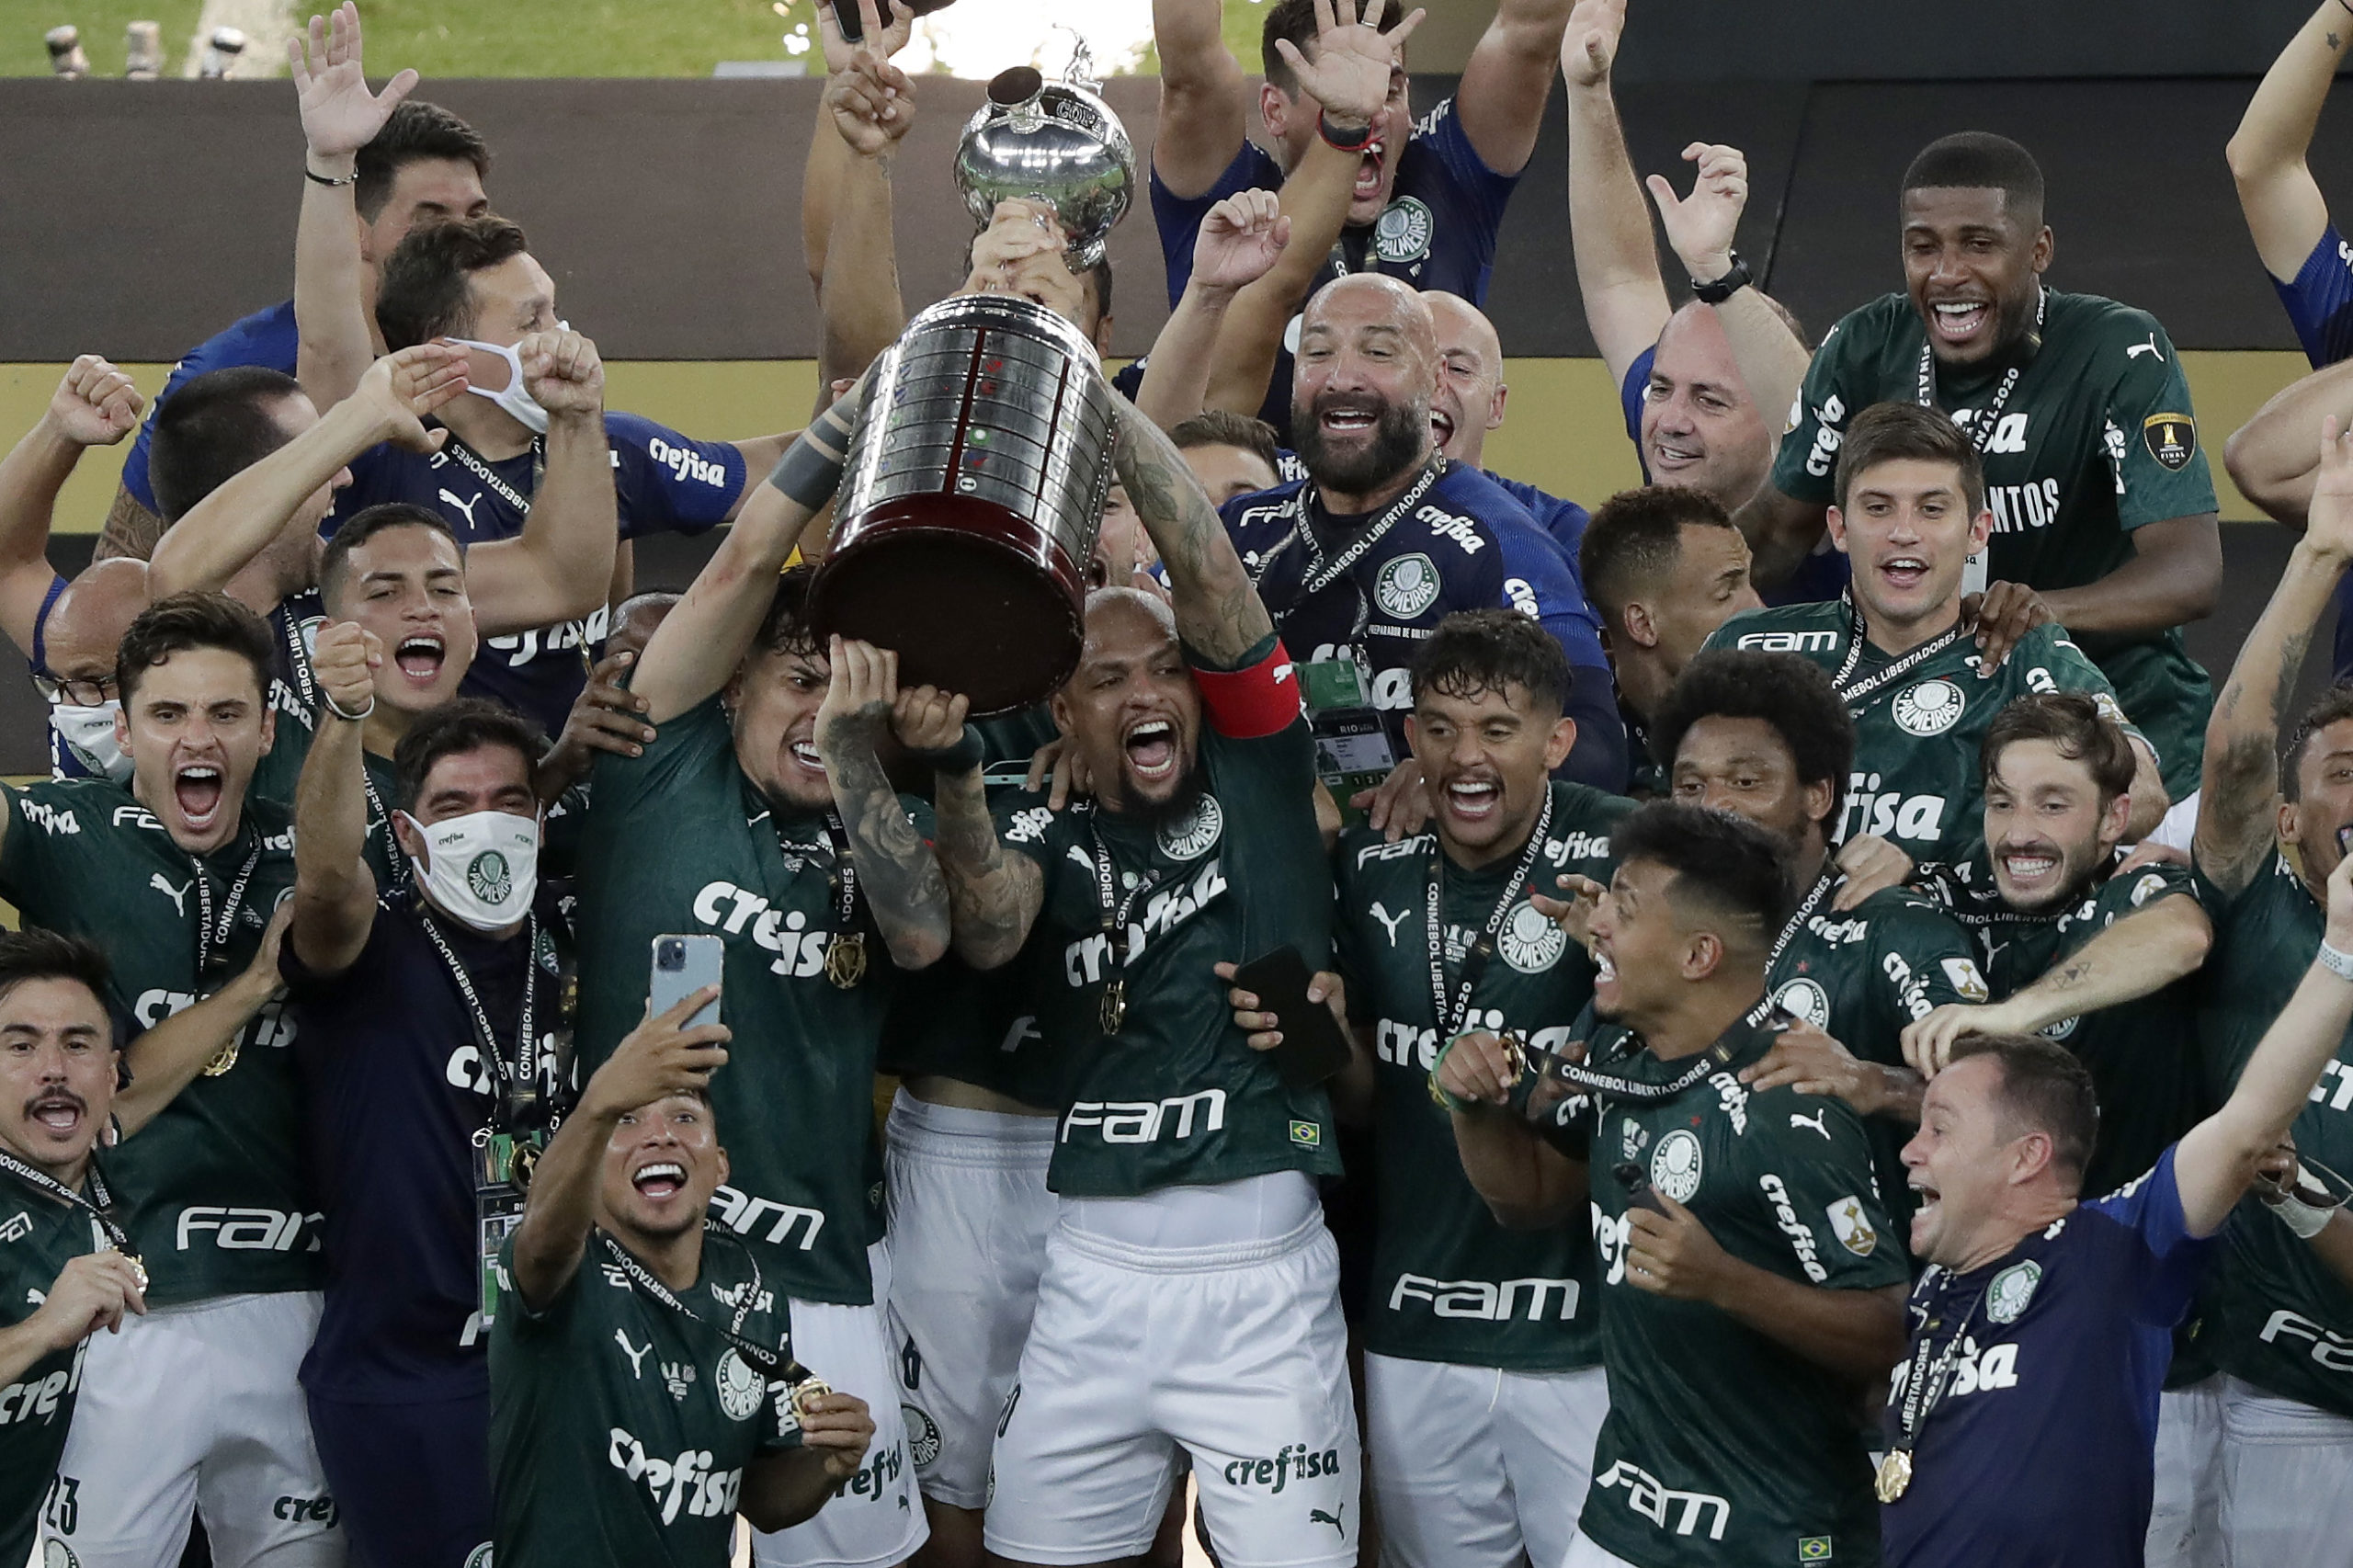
[
  {"x": 483, "y": 868},
  {"x": 513, "y": 397},
  {"x": 90, "y": 733}
]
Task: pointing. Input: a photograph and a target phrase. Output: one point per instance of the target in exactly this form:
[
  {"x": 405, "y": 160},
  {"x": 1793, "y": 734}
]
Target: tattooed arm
[
  {"x": 993, "y": 894},
  {"x": 901, "y": 880},
  {"x": 1218, "y": 612},
  {"x": 2239, "y": 789}
]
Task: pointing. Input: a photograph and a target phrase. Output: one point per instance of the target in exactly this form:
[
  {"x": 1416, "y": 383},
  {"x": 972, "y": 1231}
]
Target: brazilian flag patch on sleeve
[
  {"x": 1813, "y": 1549},
  {"x": 1307, "y": 1135}
]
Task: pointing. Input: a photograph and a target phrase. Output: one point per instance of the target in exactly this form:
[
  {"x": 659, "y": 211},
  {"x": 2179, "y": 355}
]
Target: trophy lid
[{"x": 1055, "y": 142}]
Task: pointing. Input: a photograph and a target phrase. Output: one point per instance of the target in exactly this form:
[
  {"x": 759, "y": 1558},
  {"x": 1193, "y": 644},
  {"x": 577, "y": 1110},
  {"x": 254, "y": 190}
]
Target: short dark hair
[
  {"x": 460, "y": 725},
  {"x": 785, "y": 628},
  {"x": 1223, "y": 428},
  {"x": 1634, "y": 538},
  {"x": 34, "y": 953},
  {"x": 213, "y": 428},
  {"x": 1790, "y": 693},
  {"x": 365, "y": 524},
  {"x": 1898, "y": 432},
  {"x": 2331, "y": 706},
  {"x": 1979, "y": 160},
  {"x": 196, "y": 618},
  {"x": 2044, "y": 1089},
  {"x": 1474, "y": 652},
  {"x": 416, "y": 132},
  {"x": 1295, "y": 21},
  {"x": 2070, "y": 720},
  {"x": 423, "y": 294},
  {"x": 1726, "y": 864}
]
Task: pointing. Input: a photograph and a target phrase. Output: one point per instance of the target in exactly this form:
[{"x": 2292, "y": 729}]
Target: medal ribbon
[
  {"x": 1475, "y": 959},
  {"x": 212, "y": 937},
  {"x": 1821, "y": 885},
  {"x": 1853, "y": 690},
  {"x": 845, "y": 878},
  {"x": 468, "y": 459},
  {"x": 1981, "y": 430},
  {"x": 100, "y": 1206},
  {"x": 1924, "y": 1385},
  {"x": 771, "y": 1363},
  {"x": 1715, "y": 1058},
  {"x": 512, "y": 1098},
  {"x": 1322, "y": 573},
  {"x": 1112, "y": 911}
]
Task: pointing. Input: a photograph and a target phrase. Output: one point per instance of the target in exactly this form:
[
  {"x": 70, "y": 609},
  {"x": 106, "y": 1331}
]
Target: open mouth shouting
[
  {"x": 660, "y": 1180},
  {"x": 1473, "y": 799},
  {"x": 419, "y": 660},
  {"x": 1959, "y": 323},
  {"x": 804, "y": 756},
  {"x": 1923, "y": 1216},
  {"x": 1441, "y": 425},
  {"x": 1343, "y": 415},
  {"x": 59, "y": 1112},
  {"x": 1151, "y": 748},
  {"x": 197, "y": 789},
  {"x": 1370, "y": 172}
]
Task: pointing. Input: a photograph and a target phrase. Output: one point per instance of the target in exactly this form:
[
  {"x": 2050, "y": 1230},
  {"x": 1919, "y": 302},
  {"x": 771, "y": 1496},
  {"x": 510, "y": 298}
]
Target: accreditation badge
[
  {"x": 502, "y": 1171},
  {"x": 1352, "y": 749}
]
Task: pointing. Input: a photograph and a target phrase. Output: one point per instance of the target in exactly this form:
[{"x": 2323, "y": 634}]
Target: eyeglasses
[{"x": 93, "y": 691}]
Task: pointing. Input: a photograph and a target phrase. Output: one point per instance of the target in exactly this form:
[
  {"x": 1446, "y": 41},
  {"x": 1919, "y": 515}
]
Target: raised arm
[
  {"x": 1218, "y": 615},
  {"x": 1609, "y": 229},
  {"x": 2217, "y": 1159},
  {"x": 334, "y": 892},
  {"x": 1505, "y": 80},
  {"x": 2239, "y": 788},
  {"x": 339, "y": 116},
  {"x": 1701, "y": 227},
  {"x": 869, "y": 106},
  {"x": 2284, "y": 209},
  {"x": 829, "y": 153},
  {"x": 95, "y": 405},
  {"x": 1204, "y": 98},
  {"x": 895, "y": 868},
  {"x": 222, "y": 534},
  {"x": 561, "y": 567},
  {"x": 699, "y": 645},
  {"x": 1781, "y": 532},
  {"x": 660, "y": 1058}
]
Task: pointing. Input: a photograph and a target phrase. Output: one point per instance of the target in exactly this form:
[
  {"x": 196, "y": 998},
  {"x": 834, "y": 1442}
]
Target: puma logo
[
  {"x": 636, "y": 1353},
  {"x": 1815, "y": 1121},
  {"x": 1318, "y": 1516},
  {"x": 468, "y": 508},
  {"x": 1391, "y": 921},
  {"x": 2148, "y": 347},
  {"x": 178, "y": 895}
]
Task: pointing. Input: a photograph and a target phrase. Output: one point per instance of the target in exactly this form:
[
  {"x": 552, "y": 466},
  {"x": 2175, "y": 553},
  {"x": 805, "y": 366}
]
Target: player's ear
[
  {"x": 2113, "y": 819},
  {"x": 1835, "y": 520},
  {"x": 1981, "y": 528},
  {"x": 1563, "y": 742},
  {"x": 1820, "y": 796},
  {"x": 1640, "y": 630},
  {"x": 1274, "y": 107}
]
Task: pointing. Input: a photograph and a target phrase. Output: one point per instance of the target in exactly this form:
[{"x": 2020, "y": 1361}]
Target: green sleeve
[
  {"x": 30, "y": 864},
  {"x": 2050, "y": 662},
  {"x": 1824, "y": 1166},
  {"x": 2152, "y": 445},
  {"x": 1937, "y": 954},
  {"x": 1835, "y": 388},
  {"x": 682, "y": 747}
]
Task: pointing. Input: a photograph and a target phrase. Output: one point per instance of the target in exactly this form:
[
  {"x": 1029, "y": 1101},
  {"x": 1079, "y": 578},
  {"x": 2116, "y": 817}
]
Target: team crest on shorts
[
  {"x": 57, "y": 1554},
  {"x": 1406, "y": 587},
  {"x": 2012, "y": 1289},
  {"x": 479, "y": 1557},
  {"x": 2172, "y": 439},
  {"x": 1675, "y": 1165},
  {"x": 2060, "y": 1029},
  {"x": 1531, "y": 943},
  {"x": 1804, "y": 999},
  {"x": 1928, "y": 709},
  {"x": 1190, "y": 837},
  {"x": 1403, "y": 232},
  {"x": 741, "y": 1389},
  {"x": 923, "y": 1436}
]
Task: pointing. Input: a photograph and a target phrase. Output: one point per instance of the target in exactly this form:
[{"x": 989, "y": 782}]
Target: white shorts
[
  {"x": 1235, "y": 1353},
  {"x": 1583, "y": 1553},
  {"x": 2286, "y": 1480},
  {"x": 1472, "y": 1467},
  {"x": 969, "y": 1213},
  {"x": 196, "y": 1409},
  {"x": 2185, "y": 1516},
  {"x": 877, "y": 1519}
]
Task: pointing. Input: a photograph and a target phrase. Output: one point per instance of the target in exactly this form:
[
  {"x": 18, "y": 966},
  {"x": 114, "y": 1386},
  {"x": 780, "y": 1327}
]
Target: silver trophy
[{"x": 1055, "y": 142}]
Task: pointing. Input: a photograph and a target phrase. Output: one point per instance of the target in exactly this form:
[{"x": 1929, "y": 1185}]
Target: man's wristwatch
[
  {"x": 1725, "y": 288},
  {"x": 1348, "y": 138}
]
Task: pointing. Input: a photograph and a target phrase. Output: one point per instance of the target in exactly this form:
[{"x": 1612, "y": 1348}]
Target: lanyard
[
  {"x": 472, "y": 463},
  {"x": 517, "y": 1081},
  {"x": 1113, "y": 912},
  {"x": 1322, "y": 573},
  {"x": 99, "y": 1206},
  {"x": 769, "y": 1362},
  {"x": 298, "y": 660},
  {"x": 1475, "y": 959},
  {"x": 845, "y": 951},
  {"x": 1850, "y": 688},
  {"x": 1714, "y": 1059},
  {"x": 1924, "y": 1386},
  {"x": 1981, "y": 429},
  {"x": 379, "y": 817},
  {"x": 212, "y": 937},
  {"x": 1821, "y": 885}
]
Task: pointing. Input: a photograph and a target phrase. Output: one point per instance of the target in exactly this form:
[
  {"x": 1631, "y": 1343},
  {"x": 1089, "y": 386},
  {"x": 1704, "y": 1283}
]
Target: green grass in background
[{"x": 22, "y": 23}]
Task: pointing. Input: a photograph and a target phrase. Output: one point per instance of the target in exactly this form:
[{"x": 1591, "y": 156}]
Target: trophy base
[{"x": 974, "y": 599}]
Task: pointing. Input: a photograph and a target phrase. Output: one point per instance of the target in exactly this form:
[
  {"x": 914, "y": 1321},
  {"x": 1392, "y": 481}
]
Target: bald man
[
  {"x": 1469, "y": 402},
  {"x": 1388, "y": 535}
]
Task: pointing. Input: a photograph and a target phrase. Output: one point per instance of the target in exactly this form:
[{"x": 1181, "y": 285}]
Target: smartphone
[
  {"x": 1638, "y": 1187},
  {"x": 1314, "y": 1046},
  {"x": 845, "y": 17},
  {"x": 682, "y": 966}
]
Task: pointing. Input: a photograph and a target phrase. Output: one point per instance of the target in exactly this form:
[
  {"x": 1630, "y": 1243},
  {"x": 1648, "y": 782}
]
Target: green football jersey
[
  {"x": 1860, "y": 975},
  {"x": 41, "y": 1235},
  {"x": 1721, "y": 1446},
  {"x": 619, "y": 1427},
  {"x": 1450, "y": 1284},
  {"x": 2096, "y": 439},
  {"x": 212, "y": 1191},
  {"x": 2275, "y": 1314},
  {"x": 1175, "y": 1095},
  {"x": 1917, "y": 736},
  {"x": 679, "y": 841}
]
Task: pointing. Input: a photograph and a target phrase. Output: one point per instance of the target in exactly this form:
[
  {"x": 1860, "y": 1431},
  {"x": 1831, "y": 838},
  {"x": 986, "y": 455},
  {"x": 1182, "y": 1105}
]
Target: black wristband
[
  {"x": 1345, "y": 140},
  {"x": 1721, "y": 288},
  {"x": 316, "y": 178},
  {"x": 966, "y": 755}
]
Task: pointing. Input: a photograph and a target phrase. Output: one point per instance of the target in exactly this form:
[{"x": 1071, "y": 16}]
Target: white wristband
[
  {"x": 2300, "y": 1217},
  {"x": 349, "y": 716},
  {"x": 2336, "y": 961}
]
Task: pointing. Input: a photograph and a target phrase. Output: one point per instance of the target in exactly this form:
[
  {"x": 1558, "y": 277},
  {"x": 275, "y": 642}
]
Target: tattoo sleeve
[
  {"x": 992, "y": 896},
  {"x": 2240, "y": 784},
  {"x": 1218, "y": 611},
  {"x": 901, "y": 880},
  {"x": 130, "y": 529}
]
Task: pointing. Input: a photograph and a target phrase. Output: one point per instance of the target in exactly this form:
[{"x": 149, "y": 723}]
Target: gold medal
[
  {"x": 1895, "y": 1474},
  {"x": 806, "y": 1393},
  {"x": 138, "y": 1269},
  {"x": 226, "y": 1057},
  {"x": 521, "y": 1164},
  {"x": 1115, "y": 1006},
  {"x": 846, "y": 961}
]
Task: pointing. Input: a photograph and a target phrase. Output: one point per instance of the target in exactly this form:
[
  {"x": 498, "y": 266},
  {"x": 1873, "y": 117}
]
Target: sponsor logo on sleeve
[
  {"x": 1852, "y": 1226},
  {"x": 2172, "y": 439},
  {"x": 1970, "y": 984}
]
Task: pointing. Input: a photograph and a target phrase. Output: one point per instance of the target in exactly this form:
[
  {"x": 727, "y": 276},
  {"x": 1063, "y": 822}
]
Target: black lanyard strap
[
  {"x": 1112, "y": 914},
  {"x": 771, "y": 1363},
  {"x": 480, "y": 467},
  {"x": 517, "y": 1094},
  {"x": 1717, "y": 1057},
  {"x": 1803, "y": 913},
  {"x": 1450, "y": 1016},
  {"x": 1925, "y": 1383},
  {"x": 1853, "y": 690},
  {"x": 98, "y": 1205},
  {"x": 845, "y": 949},
  {"x": 212, "y": 937},
  {"x": 1322, "y": 573}
]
